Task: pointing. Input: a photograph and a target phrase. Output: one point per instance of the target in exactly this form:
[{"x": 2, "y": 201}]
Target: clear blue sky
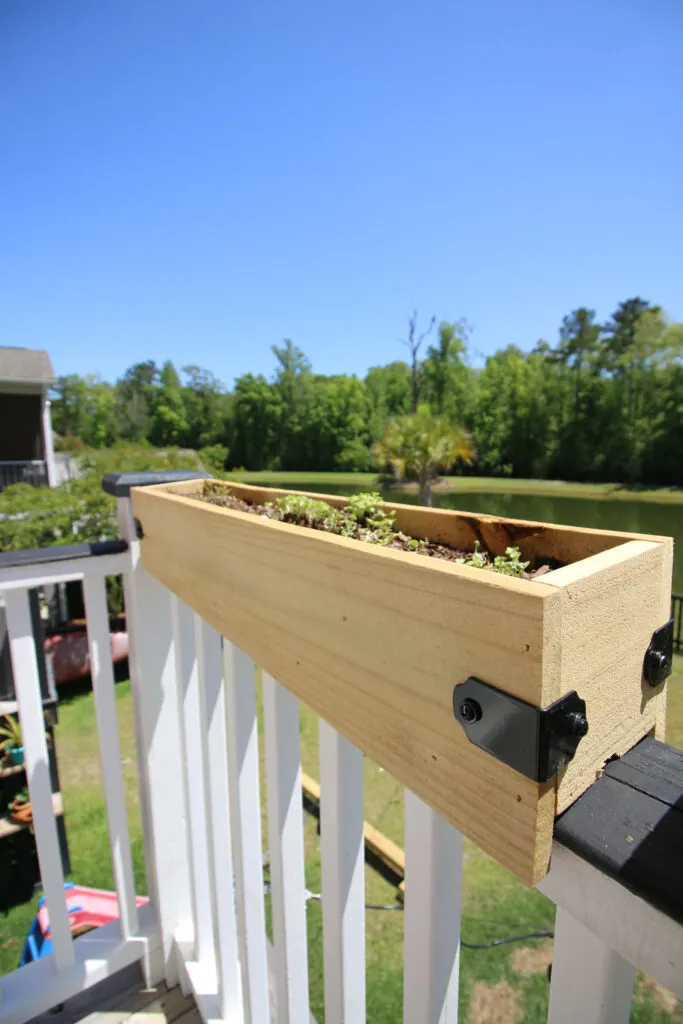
[{"x": 198, "y": 180}]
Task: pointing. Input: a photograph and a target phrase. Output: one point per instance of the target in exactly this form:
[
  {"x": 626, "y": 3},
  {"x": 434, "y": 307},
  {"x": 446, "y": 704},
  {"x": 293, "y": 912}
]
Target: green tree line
[{"x": 604, "y": 402}]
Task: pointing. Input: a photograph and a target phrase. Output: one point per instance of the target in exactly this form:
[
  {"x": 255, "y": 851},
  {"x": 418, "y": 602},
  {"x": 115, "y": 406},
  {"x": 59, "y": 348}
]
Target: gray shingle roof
[{"x": 25, "y": 364}]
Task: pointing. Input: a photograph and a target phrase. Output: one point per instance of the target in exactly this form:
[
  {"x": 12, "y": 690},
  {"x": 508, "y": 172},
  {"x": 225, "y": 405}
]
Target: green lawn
[
  {"x": 506, "y": 984},
  {"x": 465, "y": 485}
]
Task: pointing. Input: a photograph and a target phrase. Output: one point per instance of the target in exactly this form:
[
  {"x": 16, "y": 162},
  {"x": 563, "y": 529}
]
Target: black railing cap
[
  {"x": 60, "y": 553},
  {"x": 629, "y": 824},
  {"x": 119, "y": 484}
]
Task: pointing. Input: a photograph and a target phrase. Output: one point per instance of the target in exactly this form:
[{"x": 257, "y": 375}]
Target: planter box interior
[{"x": 374, "y": 640}]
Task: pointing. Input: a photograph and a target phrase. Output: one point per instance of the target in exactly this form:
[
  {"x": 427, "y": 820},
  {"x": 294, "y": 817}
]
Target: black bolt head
[
  {"x": 657, "y": 667},
  {"x": 577, "y": 723},
  {"x": 469, "y": 710}
]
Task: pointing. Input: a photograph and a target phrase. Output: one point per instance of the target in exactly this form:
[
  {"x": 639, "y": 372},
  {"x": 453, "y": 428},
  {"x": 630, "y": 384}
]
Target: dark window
[{"x": 21, "y": 437}]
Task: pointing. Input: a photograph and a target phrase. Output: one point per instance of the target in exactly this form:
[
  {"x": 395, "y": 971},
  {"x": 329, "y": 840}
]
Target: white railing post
[
  {"x": 217, "y": 801},
  {"x": 192, "y": 737},
  {"x": 590, "y": 982},
  {"x": 102, "y": 674},
  {"x": 434, "y": 851},
  {"x": 622, "y": 921},
  {"x": 342, "y": 851},
  {"x": 286, "y": 843},
  {"x": 48, "y": 443},
  {"x": 245, "y": 816},
  {"x": 158, "y": 738},
  {"x": 25, "y": 672}
]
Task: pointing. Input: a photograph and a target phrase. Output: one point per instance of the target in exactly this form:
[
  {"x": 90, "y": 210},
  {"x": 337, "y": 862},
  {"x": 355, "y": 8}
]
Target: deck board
[{"x": 123, "y": 999}]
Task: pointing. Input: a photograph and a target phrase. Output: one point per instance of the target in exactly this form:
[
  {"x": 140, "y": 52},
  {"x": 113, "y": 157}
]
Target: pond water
[{"x": 629, "y": 515}]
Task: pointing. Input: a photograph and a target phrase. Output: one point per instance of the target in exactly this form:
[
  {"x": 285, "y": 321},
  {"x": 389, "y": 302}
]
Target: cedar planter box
[{"x": 374, "y": 640}]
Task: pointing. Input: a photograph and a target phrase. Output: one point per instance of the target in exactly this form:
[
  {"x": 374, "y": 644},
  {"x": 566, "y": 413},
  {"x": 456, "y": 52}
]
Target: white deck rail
[
  {"x": 197, "y": 744},
  {"x": 73, "y": 964}
]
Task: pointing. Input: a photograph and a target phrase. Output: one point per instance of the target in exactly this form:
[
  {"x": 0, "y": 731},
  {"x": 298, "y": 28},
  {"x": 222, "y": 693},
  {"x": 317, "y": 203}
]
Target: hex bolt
[
  {"x": 657, "y": 667},
  {"x": 577, "y": 724},
  {"x": 470, "y": 711}
]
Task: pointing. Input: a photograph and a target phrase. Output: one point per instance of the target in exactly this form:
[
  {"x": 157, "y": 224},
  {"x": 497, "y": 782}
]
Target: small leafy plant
[
  {"x": 509, "y": 564},
  {"x": 20, "y": 799},
  {"x": 296, "y": 508},
  {"x": 365, "y": 517},
  {"x": 10, "y": 735}
]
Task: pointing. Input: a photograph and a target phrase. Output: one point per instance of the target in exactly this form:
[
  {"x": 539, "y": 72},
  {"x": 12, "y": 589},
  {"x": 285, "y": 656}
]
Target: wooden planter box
[{"x": 374, "y": 640}]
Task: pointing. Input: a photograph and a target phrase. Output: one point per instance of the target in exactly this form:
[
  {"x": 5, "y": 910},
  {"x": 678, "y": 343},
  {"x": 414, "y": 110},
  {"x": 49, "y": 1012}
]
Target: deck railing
[
  {"x": 73, "y": 964},
  {"x": 194, "y": 696},
  {"x": 28, "y": 472},
  {"x": 677, "y": 616}
]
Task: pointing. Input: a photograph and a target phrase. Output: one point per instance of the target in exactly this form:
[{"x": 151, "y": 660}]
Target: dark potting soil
[{"x": 401, "y": 542}]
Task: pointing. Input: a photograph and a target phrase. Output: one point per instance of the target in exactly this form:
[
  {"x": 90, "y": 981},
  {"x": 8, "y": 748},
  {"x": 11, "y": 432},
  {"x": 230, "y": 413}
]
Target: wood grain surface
[{"x": 374, "y": 641}]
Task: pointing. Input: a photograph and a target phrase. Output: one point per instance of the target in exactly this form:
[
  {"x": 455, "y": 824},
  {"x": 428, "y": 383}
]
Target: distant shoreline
[{"x": 469, "y": 485}]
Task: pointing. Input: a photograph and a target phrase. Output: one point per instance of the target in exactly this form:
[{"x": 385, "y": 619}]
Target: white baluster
[
  {"x": 217, "y": 797},
  {"x": 102, "y": 674},
  {"x": 191, "y": 738},
  {"x": 590, "y": 982},
  {"x": 27, "y": 683},
  {"x": 158, "y": 740},
  {"x": 192, "y": 733},
  {"x": 343, "y": 884},
  {"x": 245, "y": 811},
  {"x": 624, "y": 922},
  {"x": 432, "y": 916},
  {"x": 285, "y": 839}
]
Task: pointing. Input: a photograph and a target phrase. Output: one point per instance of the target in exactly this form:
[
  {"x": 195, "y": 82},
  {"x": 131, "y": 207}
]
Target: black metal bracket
[
  {"x": 537, "y": 742},
  {"x": 659, "y": 657}
]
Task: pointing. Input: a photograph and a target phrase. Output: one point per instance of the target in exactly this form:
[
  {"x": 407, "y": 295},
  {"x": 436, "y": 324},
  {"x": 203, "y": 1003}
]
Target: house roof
[{"x": 25, "y": 365}]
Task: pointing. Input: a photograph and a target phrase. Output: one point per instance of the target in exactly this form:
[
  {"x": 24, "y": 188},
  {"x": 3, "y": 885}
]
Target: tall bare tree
[{"x": 413, "y": 343}]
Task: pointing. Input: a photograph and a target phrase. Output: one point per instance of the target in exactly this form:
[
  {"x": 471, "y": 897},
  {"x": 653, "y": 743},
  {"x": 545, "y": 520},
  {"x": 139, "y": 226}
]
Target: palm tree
[{"x": 423, "y": 445}]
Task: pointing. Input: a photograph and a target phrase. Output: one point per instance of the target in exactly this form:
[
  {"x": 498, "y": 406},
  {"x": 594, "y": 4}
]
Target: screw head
[
  {"x": 657, "y": 667},
  {"x": 577, "y": 723},
  {"x": 469, "y": 711}
]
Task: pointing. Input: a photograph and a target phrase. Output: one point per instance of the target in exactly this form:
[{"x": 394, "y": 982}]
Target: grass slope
[{"x": 506, "y": 984}]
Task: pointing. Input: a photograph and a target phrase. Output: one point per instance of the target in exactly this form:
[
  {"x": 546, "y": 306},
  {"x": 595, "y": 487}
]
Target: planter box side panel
[
  {"x": 374, "y": 642},
  {"x": 611, "y": 605}
]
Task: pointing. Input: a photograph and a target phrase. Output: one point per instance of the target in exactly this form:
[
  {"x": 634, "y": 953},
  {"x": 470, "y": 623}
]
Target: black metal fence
[
  {"x": 677, "y": 616},
  {"x": 34, "y": 472}
]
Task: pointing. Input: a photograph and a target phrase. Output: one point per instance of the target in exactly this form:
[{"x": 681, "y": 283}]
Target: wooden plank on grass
[{"x": 389, "y": 852}]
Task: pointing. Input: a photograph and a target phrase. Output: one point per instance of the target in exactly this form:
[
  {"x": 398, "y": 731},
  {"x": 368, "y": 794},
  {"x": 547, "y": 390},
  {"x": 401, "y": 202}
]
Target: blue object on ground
[{"x": 36, "y": 945}]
